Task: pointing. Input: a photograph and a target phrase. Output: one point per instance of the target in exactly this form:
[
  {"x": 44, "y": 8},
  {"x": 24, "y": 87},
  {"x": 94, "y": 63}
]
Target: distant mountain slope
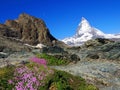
[{"x": 86, "y": 32}]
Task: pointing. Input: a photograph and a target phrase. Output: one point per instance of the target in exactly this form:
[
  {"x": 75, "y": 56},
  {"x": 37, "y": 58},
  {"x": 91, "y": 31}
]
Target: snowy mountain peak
[
  {"x": 83, "y": 27},
  {"x": 83, "y": 21},
  {"x": 86, "y": 32},
  {"x": 83, "y": 18}
]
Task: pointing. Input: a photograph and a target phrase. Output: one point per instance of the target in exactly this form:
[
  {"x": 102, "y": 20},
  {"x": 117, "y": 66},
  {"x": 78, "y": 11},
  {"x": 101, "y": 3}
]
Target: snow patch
[
  {"x": 3, "y": 53},
  {"x": 40, "y": 45},
  {"x": 37, "y": 46}
]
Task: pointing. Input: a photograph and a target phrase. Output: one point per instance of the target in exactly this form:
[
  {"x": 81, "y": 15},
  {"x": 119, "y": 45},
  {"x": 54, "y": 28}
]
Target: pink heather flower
[
  {"x": 39, "y": 61},
  {"x": 20, "y": 83},
  {"x": 40, "y": 77},
  {"x": 26, "y": 76},
  {"x": 30, "y": 79},
  {"x": 29, "y": 85},
  {"x": 36, "y": 68},
  {"x": 19, "y": 88},
  {"x": 34, "y": 79},
  {"x": 37, "y": 83},
  {"x": 10, "y": 81},
  {"x": 32, "y": 88}
]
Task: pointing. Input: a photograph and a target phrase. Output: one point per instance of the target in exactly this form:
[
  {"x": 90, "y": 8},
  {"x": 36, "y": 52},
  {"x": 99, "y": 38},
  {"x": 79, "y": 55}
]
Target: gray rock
[
  {"x": 100, "y": 73},
  {"x": 16, "y": 58},
  {"x": 93, "y": 49}
]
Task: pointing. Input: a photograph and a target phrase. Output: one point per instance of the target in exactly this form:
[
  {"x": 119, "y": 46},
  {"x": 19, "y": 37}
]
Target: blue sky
[{"x": 63, "y": 16}]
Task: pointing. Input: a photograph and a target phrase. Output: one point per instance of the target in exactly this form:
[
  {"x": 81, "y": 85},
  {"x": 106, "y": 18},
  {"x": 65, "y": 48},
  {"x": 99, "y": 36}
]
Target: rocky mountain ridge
[{"x": 27, "y": 29}]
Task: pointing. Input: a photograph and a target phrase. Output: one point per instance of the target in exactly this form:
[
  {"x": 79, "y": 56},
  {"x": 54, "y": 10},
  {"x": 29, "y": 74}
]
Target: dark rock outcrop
[
  {"x": 28, "y": 29},
  {"x": 8, "y": 32},
  {"x": 102, "y": 49},
  {"x": 53, "y": 50}
]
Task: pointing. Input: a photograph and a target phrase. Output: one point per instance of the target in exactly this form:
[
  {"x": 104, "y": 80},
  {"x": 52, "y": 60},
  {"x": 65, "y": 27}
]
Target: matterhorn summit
[
  {"x": 86, "y": 32},
  {"x": 83, "y": 27}
]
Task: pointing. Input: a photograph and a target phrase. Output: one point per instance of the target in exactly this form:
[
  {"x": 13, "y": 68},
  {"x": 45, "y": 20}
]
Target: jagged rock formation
[{"x": 27, "y": 29}]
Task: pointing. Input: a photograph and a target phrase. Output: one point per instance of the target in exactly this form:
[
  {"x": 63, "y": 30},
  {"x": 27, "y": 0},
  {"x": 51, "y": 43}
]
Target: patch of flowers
[
  {"x": 26, "y": 78},
  {"x": 39, "y": 61}
]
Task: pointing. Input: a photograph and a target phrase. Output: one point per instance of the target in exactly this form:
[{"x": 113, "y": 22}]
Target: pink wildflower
[
  {"x": 10, "y": 81},
  {"x": 34, "y": 79},
  {"x": 39, "y": 61}
]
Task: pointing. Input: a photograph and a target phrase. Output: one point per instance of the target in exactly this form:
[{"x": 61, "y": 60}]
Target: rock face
[
  {"x": 98, "y": 49},
  {"x": 104, "y": 74},
  {"x": 9, "y": 46},
  {"x": 28, "y": 29}
]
